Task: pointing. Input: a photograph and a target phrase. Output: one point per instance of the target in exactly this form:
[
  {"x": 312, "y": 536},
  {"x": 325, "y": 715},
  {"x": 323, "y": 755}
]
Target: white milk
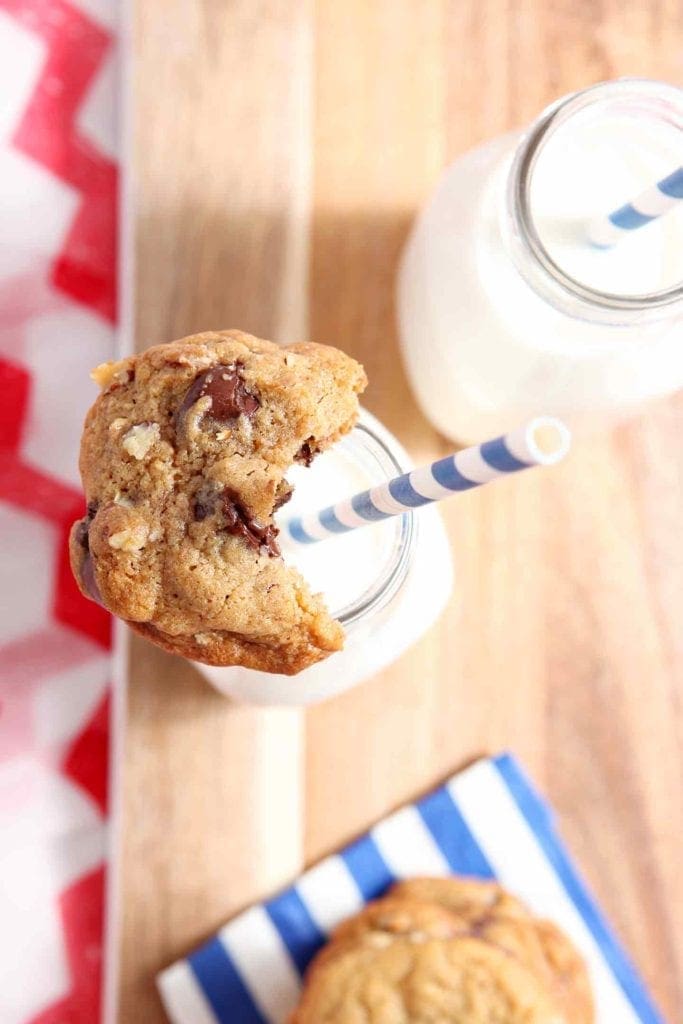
[
  {"x": 348, "y": 565},
  {"x": 489, "y": 337},
  {"x": 594, "y": 167},
  {"x": 387, "y": 583}
]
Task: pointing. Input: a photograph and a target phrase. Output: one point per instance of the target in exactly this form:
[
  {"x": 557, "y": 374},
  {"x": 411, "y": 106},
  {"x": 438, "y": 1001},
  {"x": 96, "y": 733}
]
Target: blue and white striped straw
[
  {"x": 604, "y": 232},
  {"x": 540, "y": 442}
]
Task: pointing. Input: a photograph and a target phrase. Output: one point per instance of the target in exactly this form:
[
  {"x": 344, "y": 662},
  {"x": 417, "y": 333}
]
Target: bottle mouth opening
[
  {"x": 653, "y": 99},
  {"x": 395, "y": 570}
]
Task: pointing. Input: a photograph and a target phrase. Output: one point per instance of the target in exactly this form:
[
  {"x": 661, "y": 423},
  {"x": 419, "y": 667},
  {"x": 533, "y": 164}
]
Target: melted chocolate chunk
[
  {"x": 307, "y": 452},
  {"x": 83, "y": 527},
  {"x": 239, "y": 522},
  {"x": 87, "y": 568},
  {"x": 88, "y": 580},
  {"x": 229, "y": 395},
  {"x": 82, "y": 534}
]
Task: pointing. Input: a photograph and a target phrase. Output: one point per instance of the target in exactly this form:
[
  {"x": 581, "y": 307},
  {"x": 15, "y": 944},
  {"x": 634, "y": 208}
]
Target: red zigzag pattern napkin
[{"x": 57, "y": 315}]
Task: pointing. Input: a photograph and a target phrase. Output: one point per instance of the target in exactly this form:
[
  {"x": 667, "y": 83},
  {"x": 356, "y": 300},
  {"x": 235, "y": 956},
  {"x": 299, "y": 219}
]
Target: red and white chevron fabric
[{"x": 57, "y": 313}]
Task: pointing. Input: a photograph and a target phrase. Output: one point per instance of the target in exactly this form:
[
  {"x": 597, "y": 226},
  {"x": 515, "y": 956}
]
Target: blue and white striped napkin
[{"x": 487, "y": 821}]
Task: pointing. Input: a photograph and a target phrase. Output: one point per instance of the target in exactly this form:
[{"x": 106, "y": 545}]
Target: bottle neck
[{"x": 651, "y": 101}]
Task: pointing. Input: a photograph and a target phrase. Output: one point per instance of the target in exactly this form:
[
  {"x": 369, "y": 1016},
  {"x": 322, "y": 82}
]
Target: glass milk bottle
[
  {"x": 385, "y": 583},
  {"x": 505, "y": 308}
]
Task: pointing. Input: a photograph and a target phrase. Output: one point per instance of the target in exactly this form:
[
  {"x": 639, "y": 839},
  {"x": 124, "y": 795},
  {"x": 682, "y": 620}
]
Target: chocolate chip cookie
[
  {"x": 446, "y": 950},
  {"x": 183, "y": 460}
]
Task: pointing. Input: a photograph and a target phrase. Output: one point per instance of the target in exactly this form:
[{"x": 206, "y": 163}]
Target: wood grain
[
  {"x": 212, "y": 792},
  {"x": 282, "y": 149}
]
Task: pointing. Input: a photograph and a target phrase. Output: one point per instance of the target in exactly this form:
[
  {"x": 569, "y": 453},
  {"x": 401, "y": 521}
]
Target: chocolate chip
[
  {"x": 83, "y": 527},
  {"x": 82, "y": 534},
  {"x": 88, "y": 580},
  {"x": 201, "y": 511},
  {"x": 307, "y": 452},
  {"x": 283, "y": 494},
  {"x": 229, "y": 394},
  {"x": 240, "y": 524},
  {"x": 87, "y": 568}
]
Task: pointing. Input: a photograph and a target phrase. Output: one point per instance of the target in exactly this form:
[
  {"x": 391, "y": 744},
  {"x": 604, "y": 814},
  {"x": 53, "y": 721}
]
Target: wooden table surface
[{"x": 282, "y": 148}]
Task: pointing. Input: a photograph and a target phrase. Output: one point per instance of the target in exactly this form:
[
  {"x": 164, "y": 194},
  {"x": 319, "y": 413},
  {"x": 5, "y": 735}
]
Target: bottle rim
[
  {"x": 376, "y": 440},
  {"x": 656, "y": 99}
]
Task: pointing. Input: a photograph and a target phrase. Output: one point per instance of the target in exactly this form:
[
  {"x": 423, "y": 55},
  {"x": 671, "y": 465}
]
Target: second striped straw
[
  {"x": 604, "y": 232},
  {"x": 542, "y": 441}
]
